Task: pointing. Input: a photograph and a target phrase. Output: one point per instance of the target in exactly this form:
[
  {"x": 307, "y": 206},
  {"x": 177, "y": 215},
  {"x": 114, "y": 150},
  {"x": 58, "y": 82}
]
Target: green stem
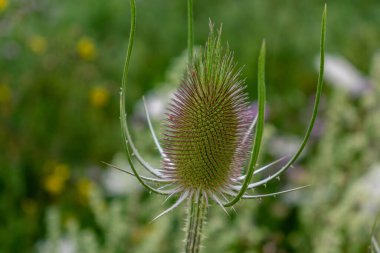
[
  {"x": 190, "y": 30},
  {"x": 196, "y": 217}
]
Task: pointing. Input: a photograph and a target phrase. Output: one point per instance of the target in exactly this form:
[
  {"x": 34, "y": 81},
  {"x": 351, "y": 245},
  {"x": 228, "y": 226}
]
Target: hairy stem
[
  {"x": 190, "y": 31},
  {"x": 196, "y": 217}
]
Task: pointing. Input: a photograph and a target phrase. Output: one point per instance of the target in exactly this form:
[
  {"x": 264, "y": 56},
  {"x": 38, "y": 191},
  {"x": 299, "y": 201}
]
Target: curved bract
[{"x": 259, "y": 128}]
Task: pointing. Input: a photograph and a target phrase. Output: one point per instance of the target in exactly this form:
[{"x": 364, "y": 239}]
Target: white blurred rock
[
  {"x": 367, "y": 191},
  {"x": 341, "y": 73},
  {"x": 118, "y": 183},
  {"x": 156, "y": 102},
  {"x": 65, "y": 245},
  {"x": 280, "y": 146}
]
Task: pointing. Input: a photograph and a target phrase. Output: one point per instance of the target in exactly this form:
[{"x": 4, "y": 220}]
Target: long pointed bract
[
  {"x": 265, "y": 167},
  {"x": 135, "y": 152},
  {"x": 152, "y": 130},
  {"x": 315, "y": 109},
  {"x": 177, "y": 203},
  {"x": 259, "y": 128},
  {"x": 123, "y": 116},
  {"x": 155, "y": 180},
  {"x": 248, "y": 133},
  {"x": 273, "y": 194}
]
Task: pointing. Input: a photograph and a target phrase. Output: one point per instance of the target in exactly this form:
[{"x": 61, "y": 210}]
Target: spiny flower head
[{"x": 205, "y": 141}]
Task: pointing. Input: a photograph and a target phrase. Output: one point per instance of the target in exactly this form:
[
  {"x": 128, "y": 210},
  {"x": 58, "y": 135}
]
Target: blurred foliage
[{"x": 60, "y": 72}]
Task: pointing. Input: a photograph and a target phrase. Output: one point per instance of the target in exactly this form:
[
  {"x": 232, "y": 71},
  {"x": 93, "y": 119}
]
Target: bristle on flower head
[{"x": 206, "y": 123}]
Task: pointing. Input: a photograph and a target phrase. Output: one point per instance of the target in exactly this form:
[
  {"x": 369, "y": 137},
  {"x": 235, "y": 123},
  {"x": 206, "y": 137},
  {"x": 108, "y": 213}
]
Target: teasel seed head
[{"x": 208, "y": 117}]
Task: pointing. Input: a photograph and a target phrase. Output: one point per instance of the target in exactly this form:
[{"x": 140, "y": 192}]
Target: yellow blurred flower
[
  {"x": 86, "y": 49},
  {"x": 55, "y": 182},
  {"x": 3, "y": 4},
  {"x": 5, "y": 93},
  {"x": 99, "y": 96},
  {"x": 37, "y": 44},
  {"x": 84, "y": 187}
]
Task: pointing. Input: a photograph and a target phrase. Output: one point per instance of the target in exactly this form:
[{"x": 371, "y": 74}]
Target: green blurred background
[{"x": 60, "y": 73}]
